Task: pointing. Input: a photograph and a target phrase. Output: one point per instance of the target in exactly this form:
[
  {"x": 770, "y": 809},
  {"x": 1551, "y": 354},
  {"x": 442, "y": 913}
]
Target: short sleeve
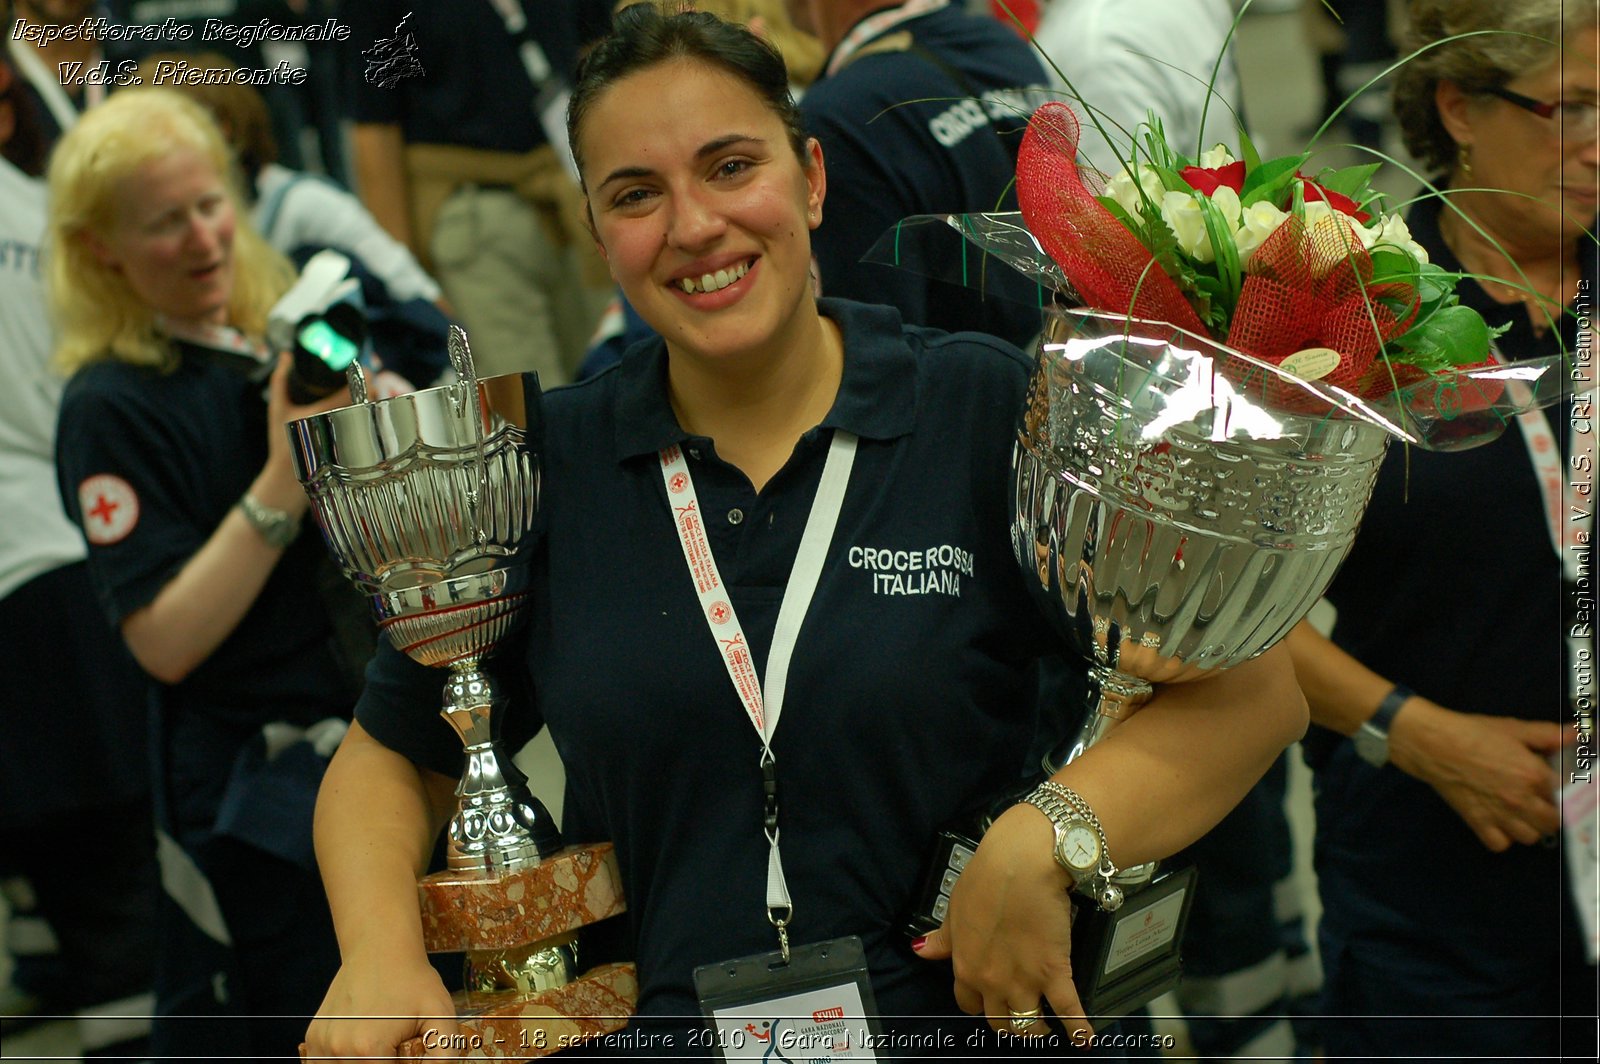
[{"x": 121, "y": 485}]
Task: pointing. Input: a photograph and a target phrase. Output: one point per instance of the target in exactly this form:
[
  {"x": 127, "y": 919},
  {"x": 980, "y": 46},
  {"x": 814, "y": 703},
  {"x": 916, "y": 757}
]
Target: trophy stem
[
  {"x": 1116, "y": 696},
  {"x": 498, "y": 826}
]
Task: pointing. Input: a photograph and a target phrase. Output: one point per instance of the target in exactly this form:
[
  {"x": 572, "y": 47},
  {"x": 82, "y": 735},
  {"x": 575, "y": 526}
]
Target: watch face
[
  {"x": 1078, "y": 847},
  {"x": 1372, "y": 746}
]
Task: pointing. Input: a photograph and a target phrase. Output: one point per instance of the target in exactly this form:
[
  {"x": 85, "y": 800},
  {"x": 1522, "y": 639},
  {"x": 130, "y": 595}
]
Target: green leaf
[
  {"x": 1450, "y": 336},
  {"x": 1247, "y": 152},
  {"x": 1224, "y": 252},
  {"x": 1349, "y": 181},
  {"x": 1268, "y": 180},
  {"x": 1391, "y": 264}
]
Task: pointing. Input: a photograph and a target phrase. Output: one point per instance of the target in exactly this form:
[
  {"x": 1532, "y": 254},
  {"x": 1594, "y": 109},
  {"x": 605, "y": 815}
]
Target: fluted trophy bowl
[
  {"x": 424, "y": 500},
  {"x": 1177, "y": 524}
]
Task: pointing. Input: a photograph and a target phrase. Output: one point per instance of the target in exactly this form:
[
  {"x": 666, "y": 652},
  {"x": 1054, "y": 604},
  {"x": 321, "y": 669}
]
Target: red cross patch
[
  {"x": 678, "y": 482},
  {"x": 719, "y": 613},
  {"x": 110, "y": 508}
]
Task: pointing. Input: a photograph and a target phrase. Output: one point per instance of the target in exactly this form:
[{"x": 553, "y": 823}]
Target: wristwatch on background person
[
  {"x": 1372, "y": 738},
  {"x": 277, "y": 527}
]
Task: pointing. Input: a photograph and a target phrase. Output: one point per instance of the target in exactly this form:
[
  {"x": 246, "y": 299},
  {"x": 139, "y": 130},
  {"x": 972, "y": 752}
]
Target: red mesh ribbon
[
  {"x": 1312, "y": 288},
  {"x": 1104, "y": 262}
]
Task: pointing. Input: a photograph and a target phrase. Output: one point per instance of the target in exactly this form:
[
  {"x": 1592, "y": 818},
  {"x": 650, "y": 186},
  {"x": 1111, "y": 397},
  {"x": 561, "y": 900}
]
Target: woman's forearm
[
  {"x": 201, "y": 606},
  {"x": 1168, "y": 774},
  {"x": 376, "y": 821}
]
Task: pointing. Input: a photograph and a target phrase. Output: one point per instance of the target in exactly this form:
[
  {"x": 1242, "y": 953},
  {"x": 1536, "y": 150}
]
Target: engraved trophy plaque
[{"x": 424, "y": 500}]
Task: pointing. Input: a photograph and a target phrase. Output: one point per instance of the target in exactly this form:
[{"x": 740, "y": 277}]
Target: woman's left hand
[{"x": 1008, "y": 934}]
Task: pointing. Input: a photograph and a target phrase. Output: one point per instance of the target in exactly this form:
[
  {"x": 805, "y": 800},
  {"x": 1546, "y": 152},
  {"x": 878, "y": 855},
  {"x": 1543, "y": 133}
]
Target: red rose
[
  {"x": 1337, "y": 200},
  {"x": 1208, "y": 179}
]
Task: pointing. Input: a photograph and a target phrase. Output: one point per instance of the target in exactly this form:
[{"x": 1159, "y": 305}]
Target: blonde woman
[{"x": 172, "y": 457}]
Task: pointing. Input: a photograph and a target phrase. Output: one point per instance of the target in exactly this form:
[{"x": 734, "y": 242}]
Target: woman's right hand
[
  {"x": 374, "y": 1006},
  {"x": 1493, "y": 771},
  {"x": 277, "y": 485}
]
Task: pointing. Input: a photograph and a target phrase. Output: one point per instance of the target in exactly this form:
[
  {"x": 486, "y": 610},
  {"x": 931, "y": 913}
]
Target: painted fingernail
[{"x": 918, "y": 942}]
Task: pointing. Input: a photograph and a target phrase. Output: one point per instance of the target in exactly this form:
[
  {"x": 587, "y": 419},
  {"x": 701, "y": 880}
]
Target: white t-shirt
[
  {"x": 296, "y": 210},
  {"x": 35, "y": 534},
  {"x": 1127, "y": 57}
]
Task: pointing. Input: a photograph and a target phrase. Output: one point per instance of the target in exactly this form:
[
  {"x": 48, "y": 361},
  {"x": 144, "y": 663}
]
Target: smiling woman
[
  {"x": 174, "y": 464},
  {"x": 773, "y": 441}
]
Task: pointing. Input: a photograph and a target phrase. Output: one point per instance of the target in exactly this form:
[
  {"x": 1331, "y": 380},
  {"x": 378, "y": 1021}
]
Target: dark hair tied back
[{"x": 643, "y": 35}]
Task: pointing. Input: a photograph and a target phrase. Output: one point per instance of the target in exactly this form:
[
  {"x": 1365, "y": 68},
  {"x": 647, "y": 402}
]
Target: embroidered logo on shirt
[
  {"x": 930, "y": 571},
  {"x": 110, "y": 509}
]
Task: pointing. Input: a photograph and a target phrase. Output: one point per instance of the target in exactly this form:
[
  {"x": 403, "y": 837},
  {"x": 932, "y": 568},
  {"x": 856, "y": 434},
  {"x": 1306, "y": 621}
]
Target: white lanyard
[
  {"x": 874, "y": 26},
  {"x": 49, "y": 87},
  {"x": 729, "y": 633},
  {"x": 1569, "y": 516}
]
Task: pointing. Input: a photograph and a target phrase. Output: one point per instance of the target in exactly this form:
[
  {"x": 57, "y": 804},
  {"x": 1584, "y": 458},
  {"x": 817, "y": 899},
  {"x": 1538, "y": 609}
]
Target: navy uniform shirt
[
  {"x": 149, "y": 464},
  {"x": 473, "y": 89},
  {"x": 1453, "y": 588},
  {"x": 912, "y": 690},
  {"x": 953, "y": 151}
]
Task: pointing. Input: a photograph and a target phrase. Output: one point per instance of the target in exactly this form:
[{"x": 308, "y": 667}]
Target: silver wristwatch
[
  {"x": 1372, "y": 738},
  {"x": 277, "y": 527},
  {"x": 1080, "y": 844}
]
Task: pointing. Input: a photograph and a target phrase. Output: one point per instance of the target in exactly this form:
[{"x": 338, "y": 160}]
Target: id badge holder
[{"x": 817, "y": 1007}]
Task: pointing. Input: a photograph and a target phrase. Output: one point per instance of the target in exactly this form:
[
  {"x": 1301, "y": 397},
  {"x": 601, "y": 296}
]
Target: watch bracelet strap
[
  {"x": 1075, "y": 801},
  {"x": 1048, "y": 800},
  {"x": 275, "y": 526}
]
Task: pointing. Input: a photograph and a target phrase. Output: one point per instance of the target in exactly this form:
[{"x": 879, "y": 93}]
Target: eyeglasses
[{"x": 1579, "y": 122}]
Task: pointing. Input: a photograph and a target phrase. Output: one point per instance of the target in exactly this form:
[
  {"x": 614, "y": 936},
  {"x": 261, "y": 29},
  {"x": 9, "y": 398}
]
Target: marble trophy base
[
  {"x": 516, "y": 1027},
  {"x": 579, "y": 885},
  {"x": 531, "y": 907}
]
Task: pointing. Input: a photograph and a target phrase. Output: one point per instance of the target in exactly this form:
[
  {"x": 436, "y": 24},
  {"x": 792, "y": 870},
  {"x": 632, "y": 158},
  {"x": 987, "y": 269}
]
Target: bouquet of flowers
[{"x": 1305, "y": 274}]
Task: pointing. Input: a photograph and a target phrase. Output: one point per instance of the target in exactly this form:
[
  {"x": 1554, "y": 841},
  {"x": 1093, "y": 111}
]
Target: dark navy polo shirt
[
  {"x": 912, "y": 691},
  {"x": 1452, "y": 588},
  {"x": 474, "y": 90},
  {"x": 930, "y": 129},
  {"x": 188, "y": 444}
]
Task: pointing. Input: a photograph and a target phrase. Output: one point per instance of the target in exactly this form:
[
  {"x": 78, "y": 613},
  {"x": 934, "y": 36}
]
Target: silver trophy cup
[
  {"x": 424, "y": 500},
  {"x": 1170, "y": 523}
]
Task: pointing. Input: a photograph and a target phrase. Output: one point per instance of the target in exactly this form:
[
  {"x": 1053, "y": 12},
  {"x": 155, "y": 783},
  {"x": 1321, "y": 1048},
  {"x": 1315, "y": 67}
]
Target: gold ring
[{"x": 1021, "y": 1020}]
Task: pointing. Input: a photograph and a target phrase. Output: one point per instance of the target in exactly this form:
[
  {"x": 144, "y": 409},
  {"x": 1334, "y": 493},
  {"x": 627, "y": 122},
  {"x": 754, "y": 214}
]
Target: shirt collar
[{"x": 877, "y": 397}]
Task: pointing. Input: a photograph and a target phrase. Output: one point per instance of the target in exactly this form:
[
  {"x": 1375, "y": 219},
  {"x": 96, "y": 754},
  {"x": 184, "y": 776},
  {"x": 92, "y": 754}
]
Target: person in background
[
  {"x": 290, "y": 208},
  {"x": 458, "y": 154},
  {"x": 900, "y": 711},
  {"x": 1444, "y": 691},
  {"x": 74, "y": 783},
  {"x": 56, "y": 100},
  {"x": 301, "y": 214},
  {"x": 172, "y": 459},
  {"x": 919, "y": 110},
  {"x": 1127, "y": 58}
]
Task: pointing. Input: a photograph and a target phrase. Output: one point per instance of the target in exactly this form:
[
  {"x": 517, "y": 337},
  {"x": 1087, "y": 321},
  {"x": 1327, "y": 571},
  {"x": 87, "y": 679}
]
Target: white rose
[
  {"x": 1390, "y": 231},
  {"x": 1182, "y": 214},
  {"x": 1226, "y": 200},
  {"x": 1122, "y": 189},
  {"x": 1259, "y": 221},
  {"x": 1332, "y": 229},
  {"x": 1216, "y": 158}
]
